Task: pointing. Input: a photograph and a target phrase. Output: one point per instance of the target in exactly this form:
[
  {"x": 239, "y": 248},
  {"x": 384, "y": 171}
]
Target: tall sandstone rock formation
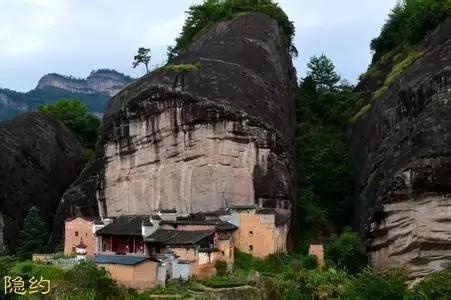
[
  {"x": 213, "y": 128},
  {"x": 402, "y": 149},
  {"x": 39, "y": 160}
]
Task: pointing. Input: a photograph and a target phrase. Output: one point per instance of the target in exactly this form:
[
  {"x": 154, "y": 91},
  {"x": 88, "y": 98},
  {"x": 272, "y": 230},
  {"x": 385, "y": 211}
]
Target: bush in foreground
[{"x": 370, "y": 285}]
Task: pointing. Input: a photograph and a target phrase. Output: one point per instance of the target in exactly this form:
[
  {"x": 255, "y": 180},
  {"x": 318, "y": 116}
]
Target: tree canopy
[
  {"x": 408, "y": 23},
  {"x": 322, "y": 72},
  {"x": 201, "y": 16},
  {"x": 76, "y": 117},
  {"x": 142, "y": 57},
  {"x": 325, "y": 198}
]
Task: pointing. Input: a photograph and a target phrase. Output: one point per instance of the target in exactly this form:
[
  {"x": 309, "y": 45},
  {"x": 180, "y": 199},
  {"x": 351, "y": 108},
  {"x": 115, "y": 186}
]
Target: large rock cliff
[
  {"x": 39, "y": 160},
  {"x": 213, "y": 128},
  {"x": 402, "y": 150}
]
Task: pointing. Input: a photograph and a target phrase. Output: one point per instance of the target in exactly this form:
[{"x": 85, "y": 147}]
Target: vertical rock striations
[
  {"x": 213, "y": 128},
  {"x": 402, "y": 150}
]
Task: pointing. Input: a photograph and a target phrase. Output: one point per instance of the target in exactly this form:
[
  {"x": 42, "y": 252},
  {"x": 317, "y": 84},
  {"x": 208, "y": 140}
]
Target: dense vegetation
[
  {"x": 33, "y": 236},
  {"x": 76, "y": 117},
  {"x": 408, "y": 23},
  {"x": 79, "y": 120},
  {"x": 201, "y": 16},
  {"x": 288, "y": 280},
  {"x": 324, "y": 170}
]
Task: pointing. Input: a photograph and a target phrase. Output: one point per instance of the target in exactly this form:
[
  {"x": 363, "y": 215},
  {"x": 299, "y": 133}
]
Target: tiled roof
[
  {"x": 242, "y": 207},
  {"x": 89, "y": 219},
  {"x": 219, "y": 224},
  {"x": 124, "y": 225},
  {"x": 178, "y": 237},
  {"x": 119, "y": 259},
  {"x": 223, "y": 226}
]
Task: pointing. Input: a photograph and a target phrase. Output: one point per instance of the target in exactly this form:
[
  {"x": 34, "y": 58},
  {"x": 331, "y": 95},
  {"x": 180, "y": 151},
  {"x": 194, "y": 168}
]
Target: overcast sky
[{"x": 73, "y": 37}]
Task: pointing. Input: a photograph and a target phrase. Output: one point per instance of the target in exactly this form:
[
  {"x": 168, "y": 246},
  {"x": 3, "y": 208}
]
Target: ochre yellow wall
[
  {"x": 84, "y": 228},
  {"x": 140, "y": 276},
  {"x": 318, "y": 251},
  {"x": 266, "y": 237}
]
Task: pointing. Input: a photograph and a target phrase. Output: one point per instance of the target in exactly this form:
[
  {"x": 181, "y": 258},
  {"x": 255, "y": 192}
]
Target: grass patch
[
  {"x": 28, "y": 269},
  {"x": 400, "y": 67},
  {"x": 218, "y": 282},
  {"x": 178, "y": 68},
  {"x": 360, "y": 113},
  {"x": 167, "y": 291},
  {"x": 397, "y": 70}
]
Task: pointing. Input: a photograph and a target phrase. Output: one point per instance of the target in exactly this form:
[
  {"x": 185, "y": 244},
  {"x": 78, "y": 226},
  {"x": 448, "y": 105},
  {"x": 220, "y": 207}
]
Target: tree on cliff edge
[
  {"x": 33, "y": 236},
  {"x": 142, "y": 57}
]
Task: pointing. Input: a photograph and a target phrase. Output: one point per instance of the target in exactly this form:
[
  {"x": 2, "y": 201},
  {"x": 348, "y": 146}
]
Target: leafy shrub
[
  {"x": 221, "y": 267},
  {"x": 87, "y": 278},
  {"x": 315, "y": 284},
  {"x": 346, "y": 252},
  {"x": 435, "y": 286},
  {"x": 6, "y": 263},
  {"x": 309, "y": 262},
  {"x": 272, "y": 264},
  {"x": 203, "y": 15},
  {"x": 373, "y": 286}
]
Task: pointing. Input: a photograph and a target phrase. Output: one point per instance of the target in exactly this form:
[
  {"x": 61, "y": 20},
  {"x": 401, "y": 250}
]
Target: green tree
[
  {"x": 200, "y": 16},
  {"x": 33, "y": 236},
  {"x": 325, "y": 177},
  {"x": 142, "y": 57},
  {"x": 322, "y": 71},
  {"x": 370, "y": 285},
  {"x": 346, "y": 252},
  {"x": 408, "y": 23},
  {"x": 76, "y": 117},
  {"x": 221, "y": 268}
]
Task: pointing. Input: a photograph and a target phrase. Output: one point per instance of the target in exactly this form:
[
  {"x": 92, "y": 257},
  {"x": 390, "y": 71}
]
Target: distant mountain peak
[
  {"x": 99, "y": 81},
  {"x": 94, "y": 91}
]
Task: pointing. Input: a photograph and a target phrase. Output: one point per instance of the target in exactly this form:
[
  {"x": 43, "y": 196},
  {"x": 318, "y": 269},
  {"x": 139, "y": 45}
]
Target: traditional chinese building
[
  {"x": 81, "y": 228},
  {"x": 174, "y": 246},
  {"x": 261, "y": 231},
  {"x": 137, "y": 272}
]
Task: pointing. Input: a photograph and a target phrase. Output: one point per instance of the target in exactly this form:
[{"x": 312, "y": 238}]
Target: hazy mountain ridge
[{"x": 94, "y": 92}]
